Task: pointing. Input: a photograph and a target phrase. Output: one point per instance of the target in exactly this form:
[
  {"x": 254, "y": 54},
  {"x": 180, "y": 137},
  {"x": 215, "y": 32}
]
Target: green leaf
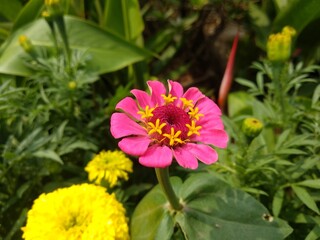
[
  {"x": 297, "y": 14},
  {"x": 29, "y": 12},
  {"x": 258, "y": 16},
  {"x": 312, "y": 183},
  {"x": 212, "y": 210},
  {"x": 239, "y": 103},
  {"x": 50, "y": 154},
  {"x": 109, "y": 52},
  {"x": 277, "y": 202},
  {"x": 124, "y": 18},
  {"x": 77, "y": 145},
  {"x": 306, "y": 198},
  {"x": 10, "y": 8},
  {"x": 314, "y": 234},
  {"x": 150, "y": 217}
]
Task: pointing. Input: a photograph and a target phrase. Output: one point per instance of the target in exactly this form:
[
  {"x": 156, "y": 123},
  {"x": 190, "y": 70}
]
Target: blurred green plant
[
  {"x": 280, "y": 166},
  {"x": 60, "y": 87}
]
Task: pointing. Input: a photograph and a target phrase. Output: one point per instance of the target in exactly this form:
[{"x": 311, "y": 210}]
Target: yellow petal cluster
[
  {"x": 79, "y": 212},
  {"x": 109, "y": 166},
  {"x": 279, "y": 44}
]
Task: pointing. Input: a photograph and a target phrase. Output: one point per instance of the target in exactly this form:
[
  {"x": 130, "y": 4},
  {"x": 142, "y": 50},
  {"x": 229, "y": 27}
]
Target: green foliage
[
  {"x": 56, "y": 100},
  {"x": 211, "y": 210},
  {"x": 280, "y": 166}
]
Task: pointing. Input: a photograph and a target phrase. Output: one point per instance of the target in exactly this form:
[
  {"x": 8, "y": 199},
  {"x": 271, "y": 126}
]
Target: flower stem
[{"x": 164, "y": 181}]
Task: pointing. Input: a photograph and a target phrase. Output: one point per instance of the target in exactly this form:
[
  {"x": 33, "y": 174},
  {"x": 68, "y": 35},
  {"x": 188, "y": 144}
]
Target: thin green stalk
[
  {"x": 279, "y": 88},
  {"x": 66, "y": 47},
  {"x": 164, "y": 181}
]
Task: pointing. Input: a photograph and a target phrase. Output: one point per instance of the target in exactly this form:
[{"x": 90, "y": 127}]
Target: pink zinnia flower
[{"x": 159, "y": 126}]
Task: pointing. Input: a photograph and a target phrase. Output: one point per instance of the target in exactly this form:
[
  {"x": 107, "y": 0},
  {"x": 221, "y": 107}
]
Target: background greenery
[{"x": 56, "y": 100}]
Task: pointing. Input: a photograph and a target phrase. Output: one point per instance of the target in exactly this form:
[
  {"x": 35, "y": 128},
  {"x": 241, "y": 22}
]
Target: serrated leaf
[
  {"x": 306, "y": 198},
  {"x": 50, "y": 154}
]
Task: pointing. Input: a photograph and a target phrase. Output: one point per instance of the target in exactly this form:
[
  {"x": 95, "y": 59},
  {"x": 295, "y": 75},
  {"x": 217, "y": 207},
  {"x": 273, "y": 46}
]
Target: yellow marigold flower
[
  {"x": 109, "y": 166},
  {"x": 79, "y": 212}
]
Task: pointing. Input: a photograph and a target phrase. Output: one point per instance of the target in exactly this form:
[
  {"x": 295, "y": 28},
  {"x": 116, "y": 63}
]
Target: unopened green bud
[
  {"x": 72, "y": 85},
  {"x": 25, "y": 43},
  {"x": 252, "y": 127}
]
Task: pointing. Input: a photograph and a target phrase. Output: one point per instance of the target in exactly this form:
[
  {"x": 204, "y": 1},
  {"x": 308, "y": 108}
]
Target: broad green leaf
[
  {"x": 124, "y": 18},
  {"x": 50, "y": 154},
  {"x": 109, "y": 52},
  {"x": 277, "y": 202},
  {"x": 30, "y": 12},
  {"x": 306, "y": 198},
  {"x": 10, "y": 8},
  {"x": 150, "y": 217},
  {"x": 312, "y": 183},
  {"x": 297, "y": 14},
  {"x": 212, "y": 210}
]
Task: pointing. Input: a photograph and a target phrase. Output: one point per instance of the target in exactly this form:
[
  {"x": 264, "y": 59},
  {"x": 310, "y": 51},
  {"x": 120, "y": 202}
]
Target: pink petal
[
  {"x": 129, "y": 105},
  {"x": 157, "y": 156},
  {"x": 216, "y": 137},
  {"x": 121, "y": 125},
  {"x": 175, "y": 88},
  {"x": 185, "y": 158},
  {"x": 156, "y": 89},
  {"x": 204, "y": 153},
  {"x": 142, "y": 97},
  {"x": 134, "y": 145},
  {"x": 210, "y": 122},
  {"x": 194, "y": 94},
  {"x": 207, "y": 106}
]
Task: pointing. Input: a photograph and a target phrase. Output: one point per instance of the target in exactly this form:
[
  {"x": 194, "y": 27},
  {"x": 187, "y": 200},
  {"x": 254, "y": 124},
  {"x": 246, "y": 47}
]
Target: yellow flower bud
[
  {"x": 279, "y": 44},
  {"x": 72, "y": 85},
  {"x": 25, "y": 43},
  {"x": 289, "y": 31},
  {"x": 252, "y": 127}
]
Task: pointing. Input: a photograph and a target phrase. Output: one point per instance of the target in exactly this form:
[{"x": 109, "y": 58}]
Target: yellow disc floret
[
  {"x": 194, "y": 113},
  {"x": 168, "y": 99},
  {"x": 147, "y": 113},
  {"x": 156, "y": 128},
  {"x": 173, "y": 137},
  {"x": 193, "y": 129},
  {"x": 186, "y": 103}
]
